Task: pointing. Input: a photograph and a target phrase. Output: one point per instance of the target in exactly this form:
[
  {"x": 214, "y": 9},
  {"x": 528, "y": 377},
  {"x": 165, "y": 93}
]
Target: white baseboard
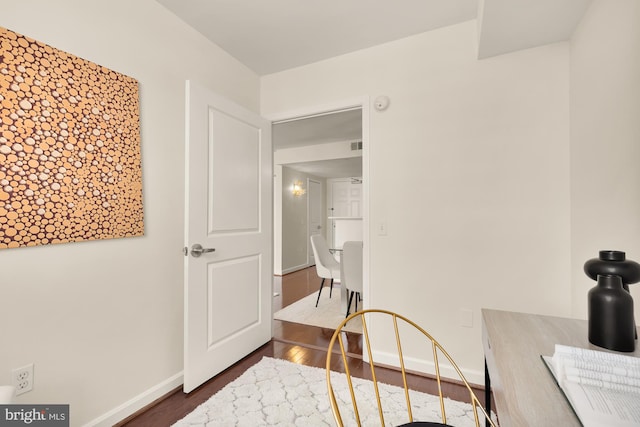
[
  {"x": 296, "y": 268},
  {"x": 130, "y": 407},
  {"x": 419, "y": 365}
]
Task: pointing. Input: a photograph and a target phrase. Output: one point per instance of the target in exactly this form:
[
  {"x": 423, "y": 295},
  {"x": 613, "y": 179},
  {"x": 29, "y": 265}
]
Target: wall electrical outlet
[{"x": 22, "y": 379}]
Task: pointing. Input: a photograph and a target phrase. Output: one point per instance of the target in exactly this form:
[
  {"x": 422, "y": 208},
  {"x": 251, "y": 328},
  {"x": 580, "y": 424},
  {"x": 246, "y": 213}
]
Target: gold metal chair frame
[{"x": 436, "y": 348}]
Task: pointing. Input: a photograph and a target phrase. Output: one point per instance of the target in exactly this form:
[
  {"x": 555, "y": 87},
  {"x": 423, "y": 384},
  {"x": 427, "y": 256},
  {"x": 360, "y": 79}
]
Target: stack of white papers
[{"x": 602, "y": 387}]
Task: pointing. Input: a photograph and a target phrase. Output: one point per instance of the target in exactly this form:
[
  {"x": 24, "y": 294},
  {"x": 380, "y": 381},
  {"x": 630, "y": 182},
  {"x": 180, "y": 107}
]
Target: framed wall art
[{"x": 70, "y": 165}]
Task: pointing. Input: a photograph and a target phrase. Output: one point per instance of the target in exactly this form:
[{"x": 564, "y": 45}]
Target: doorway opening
[{"x": 322, "y": 151}]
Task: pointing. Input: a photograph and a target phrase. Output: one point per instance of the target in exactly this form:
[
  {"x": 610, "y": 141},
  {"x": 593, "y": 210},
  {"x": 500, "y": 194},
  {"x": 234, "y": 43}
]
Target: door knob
[{"x": 197, "y": 250}]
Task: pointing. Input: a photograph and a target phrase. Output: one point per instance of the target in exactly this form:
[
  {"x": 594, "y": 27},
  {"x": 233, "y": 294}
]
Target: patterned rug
[
  {"x": 276, "y": 392},
  {"x": 327, "y": 314}
]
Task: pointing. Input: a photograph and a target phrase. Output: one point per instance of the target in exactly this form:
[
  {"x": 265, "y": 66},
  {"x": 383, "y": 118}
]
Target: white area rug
[
  {"x": 327, "y": 315},
  {"x": 276, "y": 392}
]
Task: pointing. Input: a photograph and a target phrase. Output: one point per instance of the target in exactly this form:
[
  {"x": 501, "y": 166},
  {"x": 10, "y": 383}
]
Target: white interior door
[
  {"x": 345, "y": 201},
  {"x": 340, "y": 198},
  {"x": 228, "y": 210},
  {"x": 316, "y": 217}
]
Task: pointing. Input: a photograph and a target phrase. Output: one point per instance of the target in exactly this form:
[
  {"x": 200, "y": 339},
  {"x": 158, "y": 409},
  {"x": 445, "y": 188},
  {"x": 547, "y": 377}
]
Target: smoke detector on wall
[{"x": 381, "y": 103}]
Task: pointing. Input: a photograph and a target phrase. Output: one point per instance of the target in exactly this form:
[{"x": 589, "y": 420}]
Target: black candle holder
[{"x": 611, "y": 321}]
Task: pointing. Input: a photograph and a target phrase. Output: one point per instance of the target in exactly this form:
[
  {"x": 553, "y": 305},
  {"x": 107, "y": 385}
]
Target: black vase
[
  {"x": 611, "y": 323},
  {"x": 613, "y": 263}
]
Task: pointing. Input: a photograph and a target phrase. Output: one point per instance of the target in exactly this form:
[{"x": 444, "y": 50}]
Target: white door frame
[
  {"x": 323, "y": 230},
  {"x": 364, "y": 103},
  {"x": 277, "y": 220}
]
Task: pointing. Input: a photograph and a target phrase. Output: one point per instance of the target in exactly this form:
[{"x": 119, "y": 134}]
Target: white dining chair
[
  {"x": 351, "y": 271},
  {"x": 327, "y": 267}
]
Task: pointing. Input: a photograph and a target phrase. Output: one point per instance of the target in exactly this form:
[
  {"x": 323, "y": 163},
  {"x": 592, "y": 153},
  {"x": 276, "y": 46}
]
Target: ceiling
[
  {"x": 319, "y": 129},
  {"x": 511, "y": 25},
  {"x": 276, "y": 35},
  {"x": 337, "y": 168}
]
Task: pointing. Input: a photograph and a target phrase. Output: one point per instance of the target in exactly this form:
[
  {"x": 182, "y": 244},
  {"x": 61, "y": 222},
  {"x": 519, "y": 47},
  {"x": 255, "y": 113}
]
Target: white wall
[
  {"x": 468, "y": 169},
  {"x": 605, "y": 140},
  {"x": 295, "y": 224},
  {"x": 102, "y": 320},
  {"x": 288, "y": 256}
]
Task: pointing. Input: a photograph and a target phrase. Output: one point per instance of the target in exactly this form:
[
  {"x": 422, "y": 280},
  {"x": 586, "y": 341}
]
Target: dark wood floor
[{"x": 306, "y": 345}]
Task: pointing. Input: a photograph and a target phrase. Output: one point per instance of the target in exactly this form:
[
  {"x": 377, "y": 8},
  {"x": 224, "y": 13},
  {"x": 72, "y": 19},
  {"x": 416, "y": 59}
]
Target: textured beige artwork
[{"x": 70, "y": 165}]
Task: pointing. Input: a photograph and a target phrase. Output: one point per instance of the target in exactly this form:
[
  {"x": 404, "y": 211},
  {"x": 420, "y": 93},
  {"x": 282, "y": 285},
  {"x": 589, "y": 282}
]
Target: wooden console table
[{"x": 524, "y": 391}]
